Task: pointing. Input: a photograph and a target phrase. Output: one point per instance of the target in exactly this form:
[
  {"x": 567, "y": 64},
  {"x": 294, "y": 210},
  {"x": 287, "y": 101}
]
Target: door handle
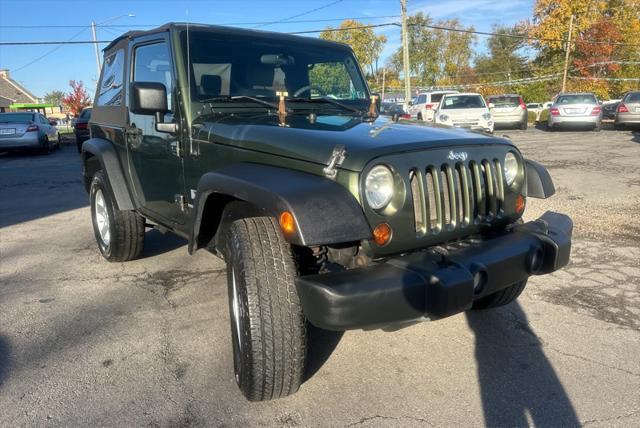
[{"x": 174, "y": 148}]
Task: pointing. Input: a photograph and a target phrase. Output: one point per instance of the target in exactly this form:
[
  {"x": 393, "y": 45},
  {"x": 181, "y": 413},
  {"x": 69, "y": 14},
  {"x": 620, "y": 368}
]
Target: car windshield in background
[
  {"x": 223, "y": 67},
  {"x": 505, "y": 101},
  {"x": 462, "y": 102},
  {"x": 576, "y": 99},
  {"x": 633, "y": 97},
  {"x": 16, "y": 117},
  {"x": 86, "y": 114}
]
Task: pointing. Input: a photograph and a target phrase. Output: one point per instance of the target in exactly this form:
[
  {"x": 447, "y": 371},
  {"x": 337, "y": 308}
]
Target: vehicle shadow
[
  {"x": 156, "y": 243},
  {"x": 320, "y": 345},
  {"x": 4, "y": 360},
  {"x": 518, "y": 384},
  {"x": 33, "y": 186}
]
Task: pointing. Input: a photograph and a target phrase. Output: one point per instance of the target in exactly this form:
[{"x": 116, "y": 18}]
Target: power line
[
  {"x": 298, "y": 21},
  {"x": 48, "y": 52},
  {"x": 387, "y": 24},
  {"x": 300, "y": 14}
]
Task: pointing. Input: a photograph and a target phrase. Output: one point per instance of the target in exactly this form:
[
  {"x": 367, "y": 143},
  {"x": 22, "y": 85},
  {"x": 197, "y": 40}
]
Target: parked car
[
  {"x": 81, "y": 127},
  {"x": 609, "y": 110},
  {"x": 27, "y": 130},
  {"x": 324, "y": 213},
  {"x": 394, "y": 111},
  {"x": 577, "y": 110},
  {"x": 535, "y": 107},
  {"x": 426, "y": 103},
  {"x": 628, "y": 112},
  {"x": 509, "y": 110},
  {"x": 547, "y": 105},
  {"x": 467, "y": 110}
]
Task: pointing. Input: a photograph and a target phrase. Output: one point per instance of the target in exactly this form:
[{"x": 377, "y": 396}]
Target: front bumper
[{"x": 427, "y": 285}]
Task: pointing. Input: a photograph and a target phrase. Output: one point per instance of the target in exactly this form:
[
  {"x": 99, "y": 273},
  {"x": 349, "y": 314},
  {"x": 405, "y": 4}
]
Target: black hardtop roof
[{"x": 219, "y": 29}]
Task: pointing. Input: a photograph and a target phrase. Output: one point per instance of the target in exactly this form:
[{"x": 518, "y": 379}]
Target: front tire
[
  {"x": 500, "y": 298},
  {"x": 120, "y": 234},
  {"x": 267, "y": 324}
]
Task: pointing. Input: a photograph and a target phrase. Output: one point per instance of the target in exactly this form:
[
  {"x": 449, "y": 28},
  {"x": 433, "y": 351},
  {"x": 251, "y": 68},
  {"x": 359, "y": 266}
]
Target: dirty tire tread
[
  {"x": 500, "y": 298},
  {"x": 127, "y": 228},
  {"x": 273, "y": 357}
]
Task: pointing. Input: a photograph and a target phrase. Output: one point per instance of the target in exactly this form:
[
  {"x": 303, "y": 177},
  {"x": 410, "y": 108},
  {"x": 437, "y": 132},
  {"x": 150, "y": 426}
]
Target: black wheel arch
[
  {"x": 98, "y": 154},
  {"x": 324, "y": 211}
]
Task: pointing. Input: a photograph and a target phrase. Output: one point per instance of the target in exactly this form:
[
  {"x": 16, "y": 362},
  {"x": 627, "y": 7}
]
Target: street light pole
[
  {"x": 405, "y": 55},
  {"x": 566, "y": 55},
  {"x": 95, "y": 45}
]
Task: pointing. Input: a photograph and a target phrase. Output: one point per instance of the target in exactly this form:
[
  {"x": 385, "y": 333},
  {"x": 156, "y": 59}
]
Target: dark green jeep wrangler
[{"x": 266, "y": 149}]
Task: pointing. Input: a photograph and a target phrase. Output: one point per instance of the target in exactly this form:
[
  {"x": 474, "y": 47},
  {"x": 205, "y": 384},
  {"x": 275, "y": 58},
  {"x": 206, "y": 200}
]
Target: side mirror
[
  {"x": 150, "y": 98},
  {"x": 492, "y": 105}
]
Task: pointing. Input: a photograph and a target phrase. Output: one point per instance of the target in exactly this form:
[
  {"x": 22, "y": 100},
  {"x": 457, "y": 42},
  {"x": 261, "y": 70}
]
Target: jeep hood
[{"x": 313, "y": 141}]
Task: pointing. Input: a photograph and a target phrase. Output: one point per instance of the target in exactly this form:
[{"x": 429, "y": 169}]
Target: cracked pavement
[{"x": 87, "y": 342}]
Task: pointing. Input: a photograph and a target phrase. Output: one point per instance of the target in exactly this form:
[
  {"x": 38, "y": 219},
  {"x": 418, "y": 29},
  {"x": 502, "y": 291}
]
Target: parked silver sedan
[
  {"x": 27, "y": 130},
  {"x": 628, "y": 111},
  {"x": 575, "y": 109}
]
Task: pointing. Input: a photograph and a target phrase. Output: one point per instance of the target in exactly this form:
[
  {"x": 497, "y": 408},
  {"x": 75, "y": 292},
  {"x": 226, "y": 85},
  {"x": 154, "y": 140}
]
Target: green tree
[
  {"x": 503, "y": 57},
  {"x": 436, "y": 56},
  {"x": 365, "y": 43},
  {"x": 54, "y": 97}
]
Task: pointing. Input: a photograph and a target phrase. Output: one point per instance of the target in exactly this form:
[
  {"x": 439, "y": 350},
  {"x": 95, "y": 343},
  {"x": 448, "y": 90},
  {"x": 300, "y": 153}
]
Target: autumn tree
[
  {"x": 77, "y": 99},
  {"x": 365, "y": 43},
  {"x": 54, "y": 97}
]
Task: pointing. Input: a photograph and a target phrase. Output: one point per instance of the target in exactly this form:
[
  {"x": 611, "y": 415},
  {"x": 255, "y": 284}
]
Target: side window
[
  {"x": 421, "y": 99},
  {"x": 152, "y": 64},
  {"x": 110, "y": 93},
  {"x": 43, "y": 120}
]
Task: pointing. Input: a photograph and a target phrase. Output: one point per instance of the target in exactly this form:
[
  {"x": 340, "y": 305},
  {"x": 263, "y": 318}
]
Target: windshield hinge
[
  {"x": 180, "y": 201},
  {"x": 337, "y": 157}
]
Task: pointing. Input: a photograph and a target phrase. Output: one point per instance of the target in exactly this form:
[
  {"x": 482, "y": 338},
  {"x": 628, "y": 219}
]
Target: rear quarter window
[
  {"x": 110, "y": 91},
  {"x": 633, "y": 97}
]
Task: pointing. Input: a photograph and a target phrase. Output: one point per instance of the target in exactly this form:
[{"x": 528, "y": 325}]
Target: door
[{"x": 156, "y": 165}]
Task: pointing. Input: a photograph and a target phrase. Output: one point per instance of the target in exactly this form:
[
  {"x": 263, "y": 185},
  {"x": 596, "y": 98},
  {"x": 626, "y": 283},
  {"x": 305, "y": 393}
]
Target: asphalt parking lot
[{"x": 86, "y": 342}]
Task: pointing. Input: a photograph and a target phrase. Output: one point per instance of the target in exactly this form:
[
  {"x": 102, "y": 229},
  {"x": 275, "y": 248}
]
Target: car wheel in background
[
  {"x": 618, "y": 127},
  {"x": 120, "y": 234},
  {"x": 597, "y": 128}
]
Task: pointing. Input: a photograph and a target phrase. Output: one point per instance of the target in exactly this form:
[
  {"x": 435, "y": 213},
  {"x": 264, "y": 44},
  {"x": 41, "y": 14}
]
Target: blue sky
[{"x": 41, "y": 71}]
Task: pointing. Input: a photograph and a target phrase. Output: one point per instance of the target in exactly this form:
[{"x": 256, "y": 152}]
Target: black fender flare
[
  {"x": 106, "y": 154},
  {"x": 539, "y": 181},
  {"x": 324, "y": 211}
]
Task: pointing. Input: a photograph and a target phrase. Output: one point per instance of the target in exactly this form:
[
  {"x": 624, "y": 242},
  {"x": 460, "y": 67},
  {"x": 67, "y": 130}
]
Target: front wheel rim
[{"x": 102, "y": 217}]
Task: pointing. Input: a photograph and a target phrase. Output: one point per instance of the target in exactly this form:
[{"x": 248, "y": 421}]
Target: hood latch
[{"x": 337, "y": 157}]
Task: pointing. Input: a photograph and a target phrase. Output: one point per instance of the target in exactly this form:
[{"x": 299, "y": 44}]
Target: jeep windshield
[{"x": 237, "y": 71}]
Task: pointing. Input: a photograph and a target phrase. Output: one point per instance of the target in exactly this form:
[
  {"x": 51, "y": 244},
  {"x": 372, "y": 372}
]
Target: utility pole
[
  {"x": 566, "y": 55},
  {"x": 95, "y": 45},
  {"x": 405, "y": 55}
]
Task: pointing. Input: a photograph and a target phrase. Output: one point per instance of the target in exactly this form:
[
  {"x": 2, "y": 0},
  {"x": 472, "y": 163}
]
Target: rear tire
[
  {"x": 46, "y": 146},
  {"x": 267, "y": 324},
  {"x": 120, "y": 234},
  {"x": 419, "y": 116},
  {"x": 597, "y": 128},
  {"x": 524, "y": 125},
  {"x": 500, "y": 298}
]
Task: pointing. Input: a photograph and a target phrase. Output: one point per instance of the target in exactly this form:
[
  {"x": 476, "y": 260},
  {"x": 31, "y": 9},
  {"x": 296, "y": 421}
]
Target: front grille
[{"x": 454, "y": 196}]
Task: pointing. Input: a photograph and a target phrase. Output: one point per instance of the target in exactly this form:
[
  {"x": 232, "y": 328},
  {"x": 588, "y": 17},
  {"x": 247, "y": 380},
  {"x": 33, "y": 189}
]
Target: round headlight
[
  {"x": 511, "y": 168},
  {"x": 379, "y": 187}
]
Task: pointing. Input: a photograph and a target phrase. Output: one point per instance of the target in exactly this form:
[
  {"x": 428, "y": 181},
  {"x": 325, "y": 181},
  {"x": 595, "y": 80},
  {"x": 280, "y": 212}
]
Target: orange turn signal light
[
  {"x": 520, "y": 203},
  {"x": 287, "y": 223},
  {"x": 382, "y": 234}
]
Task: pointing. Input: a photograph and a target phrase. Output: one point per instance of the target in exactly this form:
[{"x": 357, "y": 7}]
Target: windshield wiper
[
  {"x": 329, "y": 101},
  {"x": 240, "y": 98}
]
